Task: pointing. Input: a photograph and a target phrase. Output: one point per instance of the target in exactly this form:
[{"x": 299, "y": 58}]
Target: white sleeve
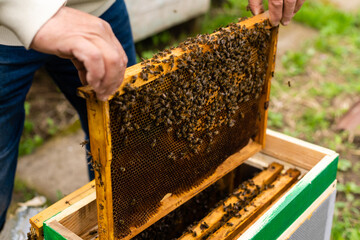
[{"x": 26, "y": 17}]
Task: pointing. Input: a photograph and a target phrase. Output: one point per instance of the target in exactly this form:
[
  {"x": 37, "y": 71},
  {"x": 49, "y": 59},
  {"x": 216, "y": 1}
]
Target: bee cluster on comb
[{"x": 195, "y": 109}]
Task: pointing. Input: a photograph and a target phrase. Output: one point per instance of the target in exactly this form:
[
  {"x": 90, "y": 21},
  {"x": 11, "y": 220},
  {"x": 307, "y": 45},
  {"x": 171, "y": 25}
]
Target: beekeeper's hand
[
  {"x": 91, "y": 45},
  {"x": 280, "y": 11}
]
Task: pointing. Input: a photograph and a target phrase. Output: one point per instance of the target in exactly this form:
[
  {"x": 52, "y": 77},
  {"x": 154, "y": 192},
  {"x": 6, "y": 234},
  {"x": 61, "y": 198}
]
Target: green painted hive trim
[
  {"x": 308, "y": 213},
  {"x": 51, "y": 234},
  {"x": 275, "y": 221}
]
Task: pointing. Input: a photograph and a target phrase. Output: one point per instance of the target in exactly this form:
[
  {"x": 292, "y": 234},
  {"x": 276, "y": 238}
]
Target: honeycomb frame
[{"x": 100, "y": 140}]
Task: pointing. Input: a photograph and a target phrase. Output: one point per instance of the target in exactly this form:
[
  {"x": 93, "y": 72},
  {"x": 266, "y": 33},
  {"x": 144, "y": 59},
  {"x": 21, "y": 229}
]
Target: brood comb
[{"x": 168, "y": 132}]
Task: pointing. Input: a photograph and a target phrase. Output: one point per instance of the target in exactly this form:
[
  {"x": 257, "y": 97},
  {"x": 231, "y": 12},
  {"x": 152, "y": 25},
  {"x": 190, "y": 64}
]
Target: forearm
[{"x": 25, "y": 18}]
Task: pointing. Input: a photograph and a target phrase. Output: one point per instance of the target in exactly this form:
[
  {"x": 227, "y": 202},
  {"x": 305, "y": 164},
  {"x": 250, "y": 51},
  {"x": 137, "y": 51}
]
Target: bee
[
  {"x": 232, "y": 123},
  {"x": 204, "y": 226},
  {"x": 101, "y": 206},
  {"x": 88, "y": 154},
  {"x": 84, "y": 143},
  {"x": 266, "y": 105},
  {"x": 147, "y": 128},
  {"x": 160, "y": 68},
  {"x": 133, "y": 79},
  {"x": 144, "y": 75},
  {"x": 172, "y": 156},
  {"x": 153, "y": 143}
]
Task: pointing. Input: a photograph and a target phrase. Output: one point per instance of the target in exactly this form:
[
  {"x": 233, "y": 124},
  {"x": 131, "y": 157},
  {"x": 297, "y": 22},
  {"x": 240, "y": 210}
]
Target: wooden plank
[
  {"x": 100, "y": 143},
  {"x": 235, "y": 225},
  {"x": 37, "y": 220},
  {"x": 91, "y": 234},
  {"x": 213, "y": 219},
  {"x": 265, "y": 98},
  {"x": 77, "y": 210},
  {"x": 87, "y": 92},
  {"x": 62, "y": 231},
  {"x": 79, "y": 218},
  {"x": 295, "y": 151},
  {"x": 83, "y": 219},
  {"x": 161, "y": 14},
  {"x": 261, "y": 161},
  {"x": 264, "y": 211},
  {"x": 172, "y": 202}
]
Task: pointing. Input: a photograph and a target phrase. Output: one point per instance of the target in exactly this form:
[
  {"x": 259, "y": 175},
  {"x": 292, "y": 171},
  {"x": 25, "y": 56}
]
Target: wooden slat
[
  {"x": 213, "y": 219},
  {"x": 172, "y": 202},
  {"x": 264, "y": 211},
  {"x": 84, "y": 219},
  {"x": 37, "y": 220},
  {"x": 100, "y": 144},
  {"x": 80, "y": 210},
  {"x": 300, "y": 153},
  {"x": 91, "y": 234},
  {"x": 235, "y": 225},
  {"x": 63, "y": 231},
  {"x": 265, "y": 98}
]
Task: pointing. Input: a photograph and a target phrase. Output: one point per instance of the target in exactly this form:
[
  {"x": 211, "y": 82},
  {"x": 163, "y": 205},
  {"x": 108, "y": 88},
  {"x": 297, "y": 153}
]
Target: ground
[{"x": 316, "y": 82}]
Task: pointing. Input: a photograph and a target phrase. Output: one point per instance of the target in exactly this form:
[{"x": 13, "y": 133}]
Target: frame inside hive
[{"x": 100, "y": 140}]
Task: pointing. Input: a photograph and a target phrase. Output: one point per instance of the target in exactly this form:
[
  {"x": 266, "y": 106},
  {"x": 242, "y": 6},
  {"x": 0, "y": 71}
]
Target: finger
[
  {"x": 256, "y": 6},
  {"x": 81, "y": 70},
  {"x": 114, "y": 79},
  {"x": 288, "y": 12},
  {"x": 115, "y": 66},
  {"x": 275, "y": 11},
  {"x": 91, "y": 58},
  {"x": 298, "y": 5}
]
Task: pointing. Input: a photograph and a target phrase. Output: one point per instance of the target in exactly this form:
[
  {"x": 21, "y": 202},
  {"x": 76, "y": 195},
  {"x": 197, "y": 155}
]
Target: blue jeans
[{"x": 17, "y": 68}]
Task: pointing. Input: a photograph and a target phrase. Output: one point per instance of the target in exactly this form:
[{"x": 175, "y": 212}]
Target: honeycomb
[{"x": 171, "y": 133}]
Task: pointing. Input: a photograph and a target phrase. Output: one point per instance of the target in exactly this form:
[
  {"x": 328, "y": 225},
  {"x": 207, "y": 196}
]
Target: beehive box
[{"x": 75, "y": 217}]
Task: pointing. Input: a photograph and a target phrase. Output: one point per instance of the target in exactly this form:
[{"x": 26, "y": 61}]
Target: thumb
[{"x": 256, "y": 6}]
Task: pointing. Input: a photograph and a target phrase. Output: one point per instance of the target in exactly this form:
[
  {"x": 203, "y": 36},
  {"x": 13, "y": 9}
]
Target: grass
[{"x": 29, "y": 139}]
